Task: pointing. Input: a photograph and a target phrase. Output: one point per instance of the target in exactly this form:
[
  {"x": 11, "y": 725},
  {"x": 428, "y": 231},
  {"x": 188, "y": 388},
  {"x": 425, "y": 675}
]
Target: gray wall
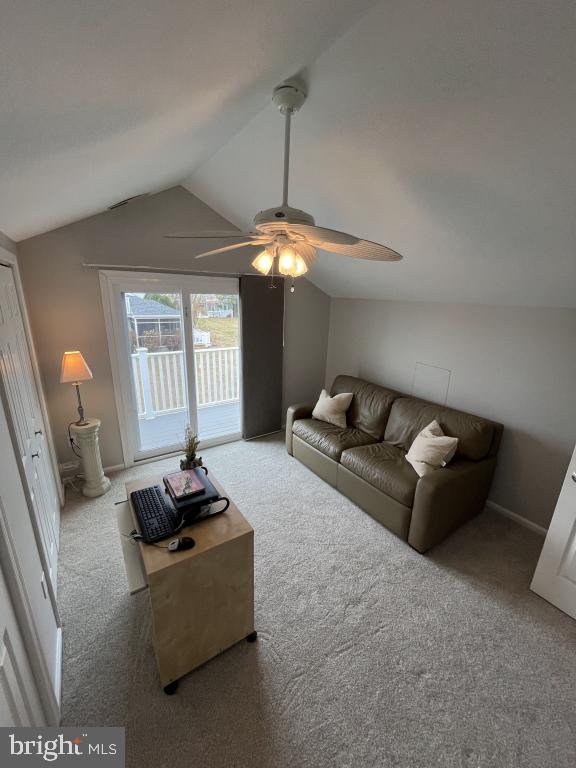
[
  {"x": 65, "y": 307},
  {"x": 306, "y": 321},
  {"x": 513, "y": 364}
]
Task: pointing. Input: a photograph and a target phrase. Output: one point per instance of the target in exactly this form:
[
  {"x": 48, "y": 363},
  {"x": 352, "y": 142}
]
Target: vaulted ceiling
[
  {"x": 443, "y": 128},
  {"x": 104, "y": 99}
]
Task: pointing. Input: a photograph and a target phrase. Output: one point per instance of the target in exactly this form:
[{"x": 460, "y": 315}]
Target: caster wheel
[
  {"x": 170, "y": 689},
  {"x": 252, "y": 637}
]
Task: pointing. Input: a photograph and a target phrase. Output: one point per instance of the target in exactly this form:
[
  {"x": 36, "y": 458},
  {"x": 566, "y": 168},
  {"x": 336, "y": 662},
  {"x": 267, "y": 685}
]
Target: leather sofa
[{"x": 366, "y": 460}]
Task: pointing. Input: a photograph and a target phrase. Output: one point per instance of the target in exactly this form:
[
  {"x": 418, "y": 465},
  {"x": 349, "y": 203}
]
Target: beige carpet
[{"x": 369, "y": 653}]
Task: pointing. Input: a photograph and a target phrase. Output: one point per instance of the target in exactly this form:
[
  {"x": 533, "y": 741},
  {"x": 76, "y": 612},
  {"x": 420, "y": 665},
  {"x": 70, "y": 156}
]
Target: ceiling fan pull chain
[{"x": 287, "y": 119}]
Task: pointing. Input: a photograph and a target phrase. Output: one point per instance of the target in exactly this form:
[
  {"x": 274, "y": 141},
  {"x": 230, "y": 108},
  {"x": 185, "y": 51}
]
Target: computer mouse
[{"x": 178, "y": 545}]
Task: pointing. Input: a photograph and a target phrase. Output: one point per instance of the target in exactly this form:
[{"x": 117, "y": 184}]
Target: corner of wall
[
  {"x": 307, "y": 318},
  {"x": 8, "y": 244}
]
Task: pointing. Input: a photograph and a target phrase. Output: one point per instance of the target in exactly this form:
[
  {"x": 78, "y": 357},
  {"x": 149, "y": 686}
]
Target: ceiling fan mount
[
  {"x": 289, "y": 97},
  {"x": 289, "y": 236}
]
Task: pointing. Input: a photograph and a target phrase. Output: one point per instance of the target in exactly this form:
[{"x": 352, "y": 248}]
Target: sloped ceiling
[
  {"x": 445, "y": 129},
  {"x": 104, "y": 99}
]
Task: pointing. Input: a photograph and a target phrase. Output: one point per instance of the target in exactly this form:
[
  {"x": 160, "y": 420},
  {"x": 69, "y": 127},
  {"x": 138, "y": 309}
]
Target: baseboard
[
  {"x": 59, "y": 662},
  {"x": 517, "y": 518},
  {"x": 114, "y": 468},
  {"x": 265, "y": 434},
  {"x": 54, "y": 706}
]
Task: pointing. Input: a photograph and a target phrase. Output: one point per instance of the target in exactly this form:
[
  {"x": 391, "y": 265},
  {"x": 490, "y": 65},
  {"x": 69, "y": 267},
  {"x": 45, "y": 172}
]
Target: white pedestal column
[{"x": 86, "y": 437}]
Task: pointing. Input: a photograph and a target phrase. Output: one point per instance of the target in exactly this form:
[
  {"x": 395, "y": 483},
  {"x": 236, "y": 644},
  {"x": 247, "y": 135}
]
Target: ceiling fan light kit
[
  {"x": 292, "y": 257},
  {"x": 290, "y": 236},
  {"x": 264, "y": 261}
]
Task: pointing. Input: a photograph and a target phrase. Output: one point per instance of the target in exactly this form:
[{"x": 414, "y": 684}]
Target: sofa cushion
[
  {"x": 332, "y": 408},
  {"x": 370, "y": 405},
  {"x": 408, "y": 416},
  {"x": 431, "y": 449},
  {"x": 385, "y": 467},
  {"x": 328, "y": 438}
]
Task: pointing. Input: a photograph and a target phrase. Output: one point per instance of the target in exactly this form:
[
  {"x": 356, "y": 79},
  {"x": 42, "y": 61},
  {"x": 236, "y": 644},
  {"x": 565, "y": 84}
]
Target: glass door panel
[
  {"x": 158, "y": 370},
  {"x": 217, "y": 364}
]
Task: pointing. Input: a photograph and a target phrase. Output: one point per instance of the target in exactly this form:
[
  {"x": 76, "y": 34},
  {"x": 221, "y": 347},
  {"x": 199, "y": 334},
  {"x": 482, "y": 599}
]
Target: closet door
[
  {"x": 19, "y": 699},
  {"x": 20, "y": 555},
  {"x": 21, "y": 398}
]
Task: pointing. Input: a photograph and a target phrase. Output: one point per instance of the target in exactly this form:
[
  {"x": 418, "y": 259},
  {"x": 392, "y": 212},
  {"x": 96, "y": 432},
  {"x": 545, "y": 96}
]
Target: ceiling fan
[{"x": 287, "y": 237}]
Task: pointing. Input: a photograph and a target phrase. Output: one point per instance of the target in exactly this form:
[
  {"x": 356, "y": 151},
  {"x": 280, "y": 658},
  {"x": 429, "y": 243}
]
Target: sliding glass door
[
  {"x": 158, "y": 368},
  {"x": 215, "y": 326},
  {"x": 176, "y": 361}
]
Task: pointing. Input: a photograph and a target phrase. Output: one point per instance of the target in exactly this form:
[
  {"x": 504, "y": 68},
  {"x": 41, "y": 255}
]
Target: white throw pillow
[
  {"x": 431, "y": 449},
  {"x": 332, "y": 409}
]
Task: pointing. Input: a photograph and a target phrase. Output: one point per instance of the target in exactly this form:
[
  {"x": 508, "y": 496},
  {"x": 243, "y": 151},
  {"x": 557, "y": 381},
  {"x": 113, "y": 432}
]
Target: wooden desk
[{"x": 202, "y": 598}]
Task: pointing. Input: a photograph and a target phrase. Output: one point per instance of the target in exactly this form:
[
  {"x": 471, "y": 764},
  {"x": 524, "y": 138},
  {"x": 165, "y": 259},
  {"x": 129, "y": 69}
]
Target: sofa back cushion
[
  {"x": 370, "y": 406},
  {"x": 409, "y": 416}
]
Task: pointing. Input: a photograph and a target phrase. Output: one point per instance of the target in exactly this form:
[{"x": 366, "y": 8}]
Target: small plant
[{"x": 190, "y": 447}]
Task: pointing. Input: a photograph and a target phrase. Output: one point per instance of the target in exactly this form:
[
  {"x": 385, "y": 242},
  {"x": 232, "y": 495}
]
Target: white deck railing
[{"x": 160, "y": 380}]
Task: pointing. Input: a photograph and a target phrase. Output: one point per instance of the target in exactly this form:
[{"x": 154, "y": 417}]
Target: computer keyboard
[{"x": 157, "y": 518}]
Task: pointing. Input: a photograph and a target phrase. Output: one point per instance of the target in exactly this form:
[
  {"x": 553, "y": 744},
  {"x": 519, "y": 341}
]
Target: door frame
[
  {"x": 552, "y": 580},
  {"x": 8, "y": 259},
  {"x": 11, "y": 565},
  {"x": 112, "y": 284}
]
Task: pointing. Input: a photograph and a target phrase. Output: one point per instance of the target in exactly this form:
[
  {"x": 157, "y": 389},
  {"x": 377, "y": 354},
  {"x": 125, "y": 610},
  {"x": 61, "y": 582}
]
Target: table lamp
[
  {"x": 74, "y": 370},
  {"x": 83, "y": 434}
]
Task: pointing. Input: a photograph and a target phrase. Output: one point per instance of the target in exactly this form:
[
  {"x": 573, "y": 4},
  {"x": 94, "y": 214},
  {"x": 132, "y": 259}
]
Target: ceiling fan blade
[
  {"x": 341, "y": 242},
  {"x": 321, "y": 235},
  {"x": 307, "y": 251},
  {"x": 257, "y": 243},
  {"x": 364, "y": 249},
  {"x": 204, "y": 235}
]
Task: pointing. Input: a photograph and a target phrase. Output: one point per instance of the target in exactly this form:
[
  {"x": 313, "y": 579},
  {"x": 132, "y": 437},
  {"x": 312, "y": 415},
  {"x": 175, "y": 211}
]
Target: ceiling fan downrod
[
  {"x": 288, "y": 97},
  {"x": 287, "y": 119}
]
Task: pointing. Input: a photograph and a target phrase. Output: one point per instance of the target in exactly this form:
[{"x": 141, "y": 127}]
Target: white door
[
  {"x": 176, "y": 359},
  {"x": 555, "y": 576},
  {"x": 19, "y": 699},
  {"x": 23, "y": 404},
  {"x": 153, "y": 363},
  {"x": 19, "y": 551}
]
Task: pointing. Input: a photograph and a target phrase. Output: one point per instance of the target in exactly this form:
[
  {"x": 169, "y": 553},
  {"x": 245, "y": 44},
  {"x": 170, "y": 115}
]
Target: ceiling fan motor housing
[{"x": 276, "y": 219}]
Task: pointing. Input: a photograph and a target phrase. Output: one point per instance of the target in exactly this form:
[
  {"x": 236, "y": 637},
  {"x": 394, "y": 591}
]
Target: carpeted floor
[{"x": 369, "y": 654}]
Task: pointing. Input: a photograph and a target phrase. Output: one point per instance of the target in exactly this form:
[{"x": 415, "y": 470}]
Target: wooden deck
[{"x": 214, "y": 421}]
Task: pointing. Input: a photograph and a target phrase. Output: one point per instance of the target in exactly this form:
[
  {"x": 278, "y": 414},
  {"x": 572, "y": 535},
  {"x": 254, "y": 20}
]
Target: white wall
[
  {"x": 65, "y": 306},
  {"x": 515, "y": 365}
]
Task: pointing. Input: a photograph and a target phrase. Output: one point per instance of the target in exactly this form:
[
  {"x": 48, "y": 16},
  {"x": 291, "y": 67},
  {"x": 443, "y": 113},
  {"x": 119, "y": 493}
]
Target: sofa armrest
[
  {"x": 298, "y": 411},
  {"x": 447, "y": 498}
]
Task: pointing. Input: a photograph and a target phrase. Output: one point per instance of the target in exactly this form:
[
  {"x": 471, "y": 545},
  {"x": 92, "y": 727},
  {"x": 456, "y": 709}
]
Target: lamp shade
[{"x": 74, "y": 368}]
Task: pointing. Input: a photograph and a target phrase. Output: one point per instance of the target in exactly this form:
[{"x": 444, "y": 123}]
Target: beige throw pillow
[
  {"x": 431, "y": 449},
  {"x": 332, "y": 409}
]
